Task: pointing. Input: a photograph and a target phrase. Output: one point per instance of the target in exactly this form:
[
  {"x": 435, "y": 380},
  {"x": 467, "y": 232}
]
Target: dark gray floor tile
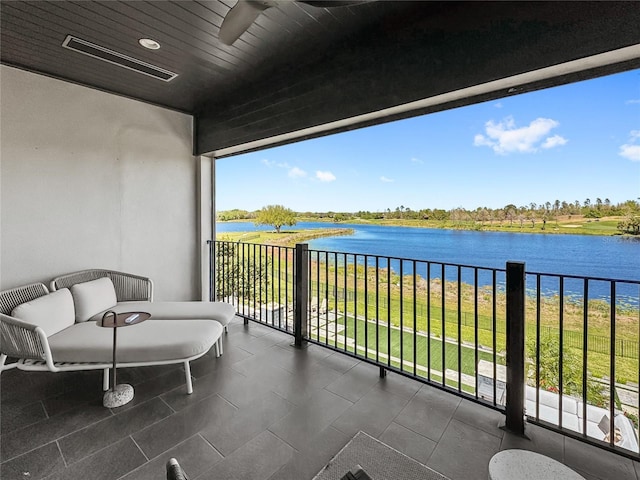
[
  {"x": 138, "y": 375},
  {"x": 110, "y": 463},
  {"x": 241, "y": 391},
  {"x": 89, "y": 440},
  {"x": 372, "y": 413},
  {"x": 304, "y": 421},
  {"x": 307, "y": 462},
  {"x": 636, "y": 465},
  {"x": 15, "y": 417},
  {"x": 408, "y": 442},
  {"x": 258, "y": 344},
  {"x": 38, "y": 434},
  {"x": 464, "y": 452},
  {"x": 294, "y": 359},
  {"x": 256, "y": 460},
  {"x": 145, "y": 391},
  {"x": 538, "y": 440},
  {"x": 255, "y": 362},
  {"x": 72, "y": 399},
  {"x": 597, "y": 461},
  {"x": 355, "y": 382},
  {"x": 339, "y": 362},
  {"x": 399, "y": 385},
  {"x": 429, "y": 412},
  {"x": 18, "y": 384},
  {"x": 480, "y": 417},
  {"x": 180, "y": 426},
  {"x": 301, "y": 385},
  {"x": 246, "y": 423},
  {"x": 34, "y": 465},
  {"x": 195, "y": 456},
  {"x": 203, "y": 387},
  {"x": 209, "y": 363}
]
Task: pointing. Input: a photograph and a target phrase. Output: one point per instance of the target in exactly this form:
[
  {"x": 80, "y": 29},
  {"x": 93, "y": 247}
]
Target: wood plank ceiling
[{"x": 300, "y": 66}]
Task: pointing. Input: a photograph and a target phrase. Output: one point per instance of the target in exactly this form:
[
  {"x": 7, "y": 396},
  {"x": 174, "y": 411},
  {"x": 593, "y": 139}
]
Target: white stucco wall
[{"x": 93, "y": 180}]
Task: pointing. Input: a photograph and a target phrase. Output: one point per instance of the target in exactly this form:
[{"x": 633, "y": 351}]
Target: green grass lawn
[{"x": 414, "y": 348}]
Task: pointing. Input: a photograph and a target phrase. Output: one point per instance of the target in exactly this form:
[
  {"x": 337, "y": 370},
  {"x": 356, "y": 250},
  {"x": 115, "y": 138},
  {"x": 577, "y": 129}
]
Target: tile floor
[{"x": 263, "y": 411}]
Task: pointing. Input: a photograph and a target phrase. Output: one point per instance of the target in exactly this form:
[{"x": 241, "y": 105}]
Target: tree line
[{"x": 532, "y": 214}]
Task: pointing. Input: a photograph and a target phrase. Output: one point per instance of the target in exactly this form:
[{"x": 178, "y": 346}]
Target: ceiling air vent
[{"x": 96, "y": 51}]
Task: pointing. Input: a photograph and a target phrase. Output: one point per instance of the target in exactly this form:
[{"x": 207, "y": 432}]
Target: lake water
[{"x": 614, "y": 257}]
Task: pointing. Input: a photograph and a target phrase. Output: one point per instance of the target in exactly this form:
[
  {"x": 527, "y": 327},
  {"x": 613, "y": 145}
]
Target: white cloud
[
  {"x": 273, "y": 163},
  {"x": 505, "y": 137},
  {"x": 417, "y": 160},
  {"x": 633, "y": 101},
  {"x": 554, "y": 141},
  {"x": 498, "y": 105},
  {"x": 325, "y": 176},
  {"x": 631, "y": 150},
  {"x": 296, "y": 172},
  {"x": 386, "y": 180}
]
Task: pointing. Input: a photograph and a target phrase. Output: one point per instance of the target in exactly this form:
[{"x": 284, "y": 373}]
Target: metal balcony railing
[{"x": 560, "y": 350}]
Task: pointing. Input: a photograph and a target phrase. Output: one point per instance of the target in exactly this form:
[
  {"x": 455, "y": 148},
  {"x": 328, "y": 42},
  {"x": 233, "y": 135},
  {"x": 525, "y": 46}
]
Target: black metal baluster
[
  {"x": 377, "y": 309},
  {"x": 335, "y": 326},
  {"x": 585, "y": 350},
  {"x": 366, "y": 308},
  {"x": 388, "y": 311},
  {"x": 326, "y": 295},
  {"x": 493, "y": 332},
  {"x": 355, "y": 304},
  {"x": 444, "y": 336},
  {"x": 560, "y": 349},
  {"x": 538, "y": 317},
  {"x": 475, "y": 326},
  {"x": 415, "y": 322},
  {"x": 346, "y": 301},
  {"x": 429, "y": 321},
  {"x": 459, "y": 328},
  {"x": 401, "y": 315},
  {"x": 612, "y": 373}
]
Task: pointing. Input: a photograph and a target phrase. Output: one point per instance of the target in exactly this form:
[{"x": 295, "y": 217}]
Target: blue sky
[{"x": 573, "y": 142}]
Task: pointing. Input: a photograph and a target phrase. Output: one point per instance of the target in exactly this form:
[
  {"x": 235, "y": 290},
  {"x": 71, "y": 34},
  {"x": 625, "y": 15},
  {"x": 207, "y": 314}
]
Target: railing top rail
[
  {"x": 584, "y": 277},
  {"x": 405, "y": 259}
]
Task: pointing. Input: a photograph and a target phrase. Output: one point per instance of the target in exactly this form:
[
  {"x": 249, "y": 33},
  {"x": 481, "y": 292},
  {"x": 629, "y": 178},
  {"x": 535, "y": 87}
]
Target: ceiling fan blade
[{"x": 239, "y": 18}]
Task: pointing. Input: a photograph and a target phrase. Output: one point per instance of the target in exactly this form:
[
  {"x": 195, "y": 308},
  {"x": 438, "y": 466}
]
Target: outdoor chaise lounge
[
  {"x": 133, "y": 289},
  {"x": 56, "y": 332}
]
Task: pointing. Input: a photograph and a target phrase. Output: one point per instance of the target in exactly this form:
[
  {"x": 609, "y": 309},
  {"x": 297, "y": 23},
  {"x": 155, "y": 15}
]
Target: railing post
[
  {"x": 515, "y": 348},
  {"x": 301, "y": 294},
  {"x": 212, "y": 268}
]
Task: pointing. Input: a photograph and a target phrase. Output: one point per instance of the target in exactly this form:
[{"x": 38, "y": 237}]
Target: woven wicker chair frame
[
  {"x": 129, "y": 287},
  {"x": 28, "y": 343}
]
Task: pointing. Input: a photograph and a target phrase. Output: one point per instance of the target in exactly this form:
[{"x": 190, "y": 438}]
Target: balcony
[{"x": 265, "y": 410}]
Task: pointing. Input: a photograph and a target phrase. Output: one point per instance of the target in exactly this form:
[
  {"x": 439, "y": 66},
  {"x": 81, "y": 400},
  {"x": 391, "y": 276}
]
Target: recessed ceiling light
[{"x": 149, "y": 43}]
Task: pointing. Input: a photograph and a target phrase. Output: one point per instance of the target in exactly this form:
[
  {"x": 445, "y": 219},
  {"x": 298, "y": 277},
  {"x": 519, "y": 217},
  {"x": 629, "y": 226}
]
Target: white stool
[{"x": 526, "y": 465}]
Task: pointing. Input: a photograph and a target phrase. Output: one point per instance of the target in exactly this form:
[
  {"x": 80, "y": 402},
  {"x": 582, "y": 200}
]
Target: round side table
[
  {"x": 122, "y": 394},
  {"x": 526, "y": 465}
]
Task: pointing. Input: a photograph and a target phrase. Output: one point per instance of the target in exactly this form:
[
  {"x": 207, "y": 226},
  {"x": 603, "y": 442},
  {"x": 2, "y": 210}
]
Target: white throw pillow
[
  {"x": 53, "y": 312},
  {"x": 93, "y": 297}
]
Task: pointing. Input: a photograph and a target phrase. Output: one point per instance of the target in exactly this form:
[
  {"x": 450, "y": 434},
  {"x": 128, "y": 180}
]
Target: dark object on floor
[
  {"x": 174, "y": 471},
  {"x": 358, "y": 474}
]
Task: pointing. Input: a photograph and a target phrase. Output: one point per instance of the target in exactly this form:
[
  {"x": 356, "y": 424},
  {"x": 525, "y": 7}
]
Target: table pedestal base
[{"x": 118, "y": 396}]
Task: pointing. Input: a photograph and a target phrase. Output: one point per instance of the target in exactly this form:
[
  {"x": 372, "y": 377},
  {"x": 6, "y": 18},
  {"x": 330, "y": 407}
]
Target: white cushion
[
  {"x": 221, "y": 312},
  {"x": 144, "y": 342},
  {"x": 93, "y": 297},
  {"x": 53, "y": 312}
]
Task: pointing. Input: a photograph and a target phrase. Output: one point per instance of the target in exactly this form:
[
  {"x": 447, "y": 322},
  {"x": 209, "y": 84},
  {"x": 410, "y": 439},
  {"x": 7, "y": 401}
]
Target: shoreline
[{"x": 574, "y": 226}]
